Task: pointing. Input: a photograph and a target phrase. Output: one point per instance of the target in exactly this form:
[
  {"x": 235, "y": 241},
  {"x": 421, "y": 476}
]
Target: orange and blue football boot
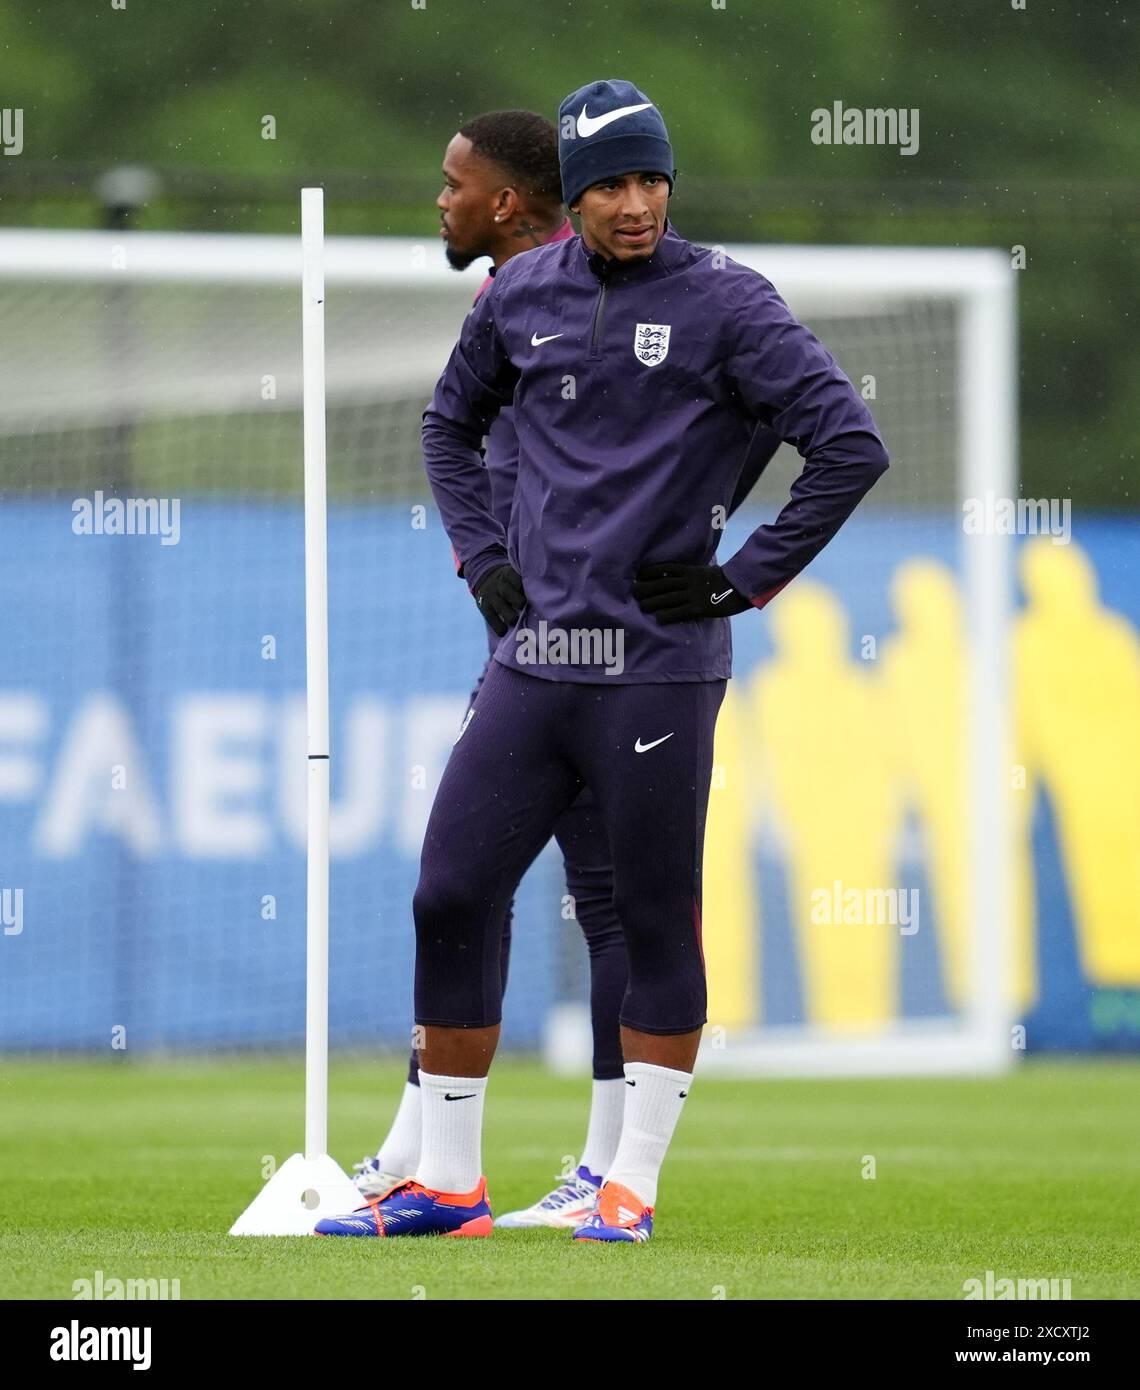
[
  {"x": 410, "y": 1209},
  {"x": 618, "y": 1214}
]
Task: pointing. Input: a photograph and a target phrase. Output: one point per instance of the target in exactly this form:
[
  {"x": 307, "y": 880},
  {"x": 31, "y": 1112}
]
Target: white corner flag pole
[
  {"x": 316, "y": 671},
  {"x": 311, "y": 1186}
]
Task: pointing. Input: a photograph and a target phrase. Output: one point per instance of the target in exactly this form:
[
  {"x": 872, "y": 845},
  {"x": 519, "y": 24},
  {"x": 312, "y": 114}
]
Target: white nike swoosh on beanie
[{"x": 590, "y": 125}]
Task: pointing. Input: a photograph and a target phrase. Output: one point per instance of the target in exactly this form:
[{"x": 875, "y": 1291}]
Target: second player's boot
[
  {"x": 371, "y": 1181},
  {"x": 568, "y": 1205}
]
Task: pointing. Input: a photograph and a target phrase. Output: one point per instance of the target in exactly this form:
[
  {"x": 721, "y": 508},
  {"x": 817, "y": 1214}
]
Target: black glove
[
  {"x": 682, "y": 593},
  {"x": 500, "y": 598}
]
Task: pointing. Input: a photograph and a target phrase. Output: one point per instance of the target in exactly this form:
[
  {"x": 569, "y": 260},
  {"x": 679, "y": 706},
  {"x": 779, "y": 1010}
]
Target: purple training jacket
[{"x": 636, "y": 389}]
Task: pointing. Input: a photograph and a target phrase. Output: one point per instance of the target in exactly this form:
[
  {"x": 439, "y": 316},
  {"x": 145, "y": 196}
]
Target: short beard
[{"x": 460, "y": 260}]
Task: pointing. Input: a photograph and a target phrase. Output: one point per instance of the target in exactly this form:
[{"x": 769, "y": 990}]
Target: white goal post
[{"x": 400, "y": 309}]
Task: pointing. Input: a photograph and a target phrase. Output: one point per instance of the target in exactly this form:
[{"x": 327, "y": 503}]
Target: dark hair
[{"x": 524, "y": 145}]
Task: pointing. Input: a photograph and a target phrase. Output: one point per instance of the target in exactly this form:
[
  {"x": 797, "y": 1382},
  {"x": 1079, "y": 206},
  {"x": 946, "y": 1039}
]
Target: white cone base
[{"x": 281, "y": 1209}]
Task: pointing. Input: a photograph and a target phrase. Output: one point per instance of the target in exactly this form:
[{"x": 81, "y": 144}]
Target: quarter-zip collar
[{"x": 613, "y": 272}]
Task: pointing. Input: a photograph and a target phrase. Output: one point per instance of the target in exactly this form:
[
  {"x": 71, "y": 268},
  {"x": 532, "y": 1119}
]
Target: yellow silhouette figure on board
[
  {"x": 731, "y": 939},
  {"x": 922, "y": 672},
  {"x": 824, "y": 754},
  {"x": 1078, "y": 701}
]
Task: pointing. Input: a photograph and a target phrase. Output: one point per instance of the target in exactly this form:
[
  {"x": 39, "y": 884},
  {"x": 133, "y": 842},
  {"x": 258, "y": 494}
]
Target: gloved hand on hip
[
  {"x": 501, "y": 599},
  {"x": 682, "y": 593}
]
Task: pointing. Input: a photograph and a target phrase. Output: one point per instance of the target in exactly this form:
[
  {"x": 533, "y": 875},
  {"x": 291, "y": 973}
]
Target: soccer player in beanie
[{"x": 638, "y": 366}]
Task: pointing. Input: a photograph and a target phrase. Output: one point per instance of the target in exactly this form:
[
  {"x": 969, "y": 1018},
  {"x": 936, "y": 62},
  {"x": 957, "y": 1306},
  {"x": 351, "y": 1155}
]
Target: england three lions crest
[{"x": 651, "y": 343}]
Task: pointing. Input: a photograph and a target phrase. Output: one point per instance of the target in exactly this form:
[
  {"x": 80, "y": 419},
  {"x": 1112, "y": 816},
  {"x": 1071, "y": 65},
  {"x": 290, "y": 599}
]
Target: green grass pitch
[{"x": 139, "y": 1169}]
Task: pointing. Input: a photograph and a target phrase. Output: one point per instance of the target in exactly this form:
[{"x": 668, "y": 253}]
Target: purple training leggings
[{"x": 528, "y": 748}]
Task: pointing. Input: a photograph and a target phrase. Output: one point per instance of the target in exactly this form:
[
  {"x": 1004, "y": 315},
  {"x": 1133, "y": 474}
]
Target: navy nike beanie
[{"x": 608, "y": 128}]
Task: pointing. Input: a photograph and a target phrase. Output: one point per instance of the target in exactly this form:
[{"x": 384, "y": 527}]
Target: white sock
[
  {"x": 451, "y": 1158},
  {"x": 653, "y": 1100},
  {"x": 400, "y": 1152},
  {"x": 607, "y": 1104}
]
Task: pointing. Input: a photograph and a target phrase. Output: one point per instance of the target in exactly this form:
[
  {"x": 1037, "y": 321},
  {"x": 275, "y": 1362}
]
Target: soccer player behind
[
  {"x": 502, "y": 195},
  {"x": 638, "y": 366}
]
